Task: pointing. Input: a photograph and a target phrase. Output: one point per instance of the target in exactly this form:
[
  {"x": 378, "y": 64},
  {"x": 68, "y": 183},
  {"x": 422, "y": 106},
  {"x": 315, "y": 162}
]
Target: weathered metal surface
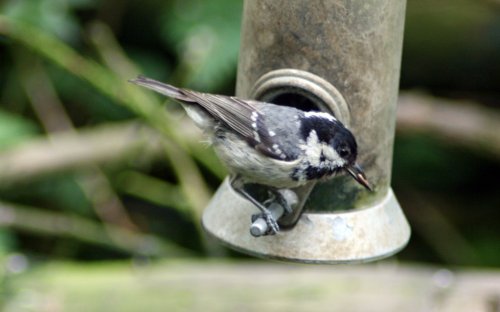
[
  {"x": 322, "y": 94},
  {"x": 354, "y": 236},
  {"x": 355, "y": 46}
]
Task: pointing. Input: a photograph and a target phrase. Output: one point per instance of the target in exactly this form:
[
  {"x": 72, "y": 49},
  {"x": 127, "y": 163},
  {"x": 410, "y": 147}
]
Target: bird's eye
[{"x": 344, "y": 152}]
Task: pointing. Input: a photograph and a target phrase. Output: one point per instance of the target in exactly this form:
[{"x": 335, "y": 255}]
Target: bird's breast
[{"x": 240, "y": 158}]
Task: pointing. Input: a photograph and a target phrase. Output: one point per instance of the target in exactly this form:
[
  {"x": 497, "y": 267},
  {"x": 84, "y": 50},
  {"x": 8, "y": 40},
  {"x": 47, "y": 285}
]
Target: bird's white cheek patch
[
  {"x": 332, "y": 157},
  {"x": 312, "y": 149},
  {"x": 315, "y": 151}
]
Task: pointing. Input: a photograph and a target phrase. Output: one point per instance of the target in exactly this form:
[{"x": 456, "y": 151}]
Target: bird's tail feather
[{"x": 161, "y": 87}]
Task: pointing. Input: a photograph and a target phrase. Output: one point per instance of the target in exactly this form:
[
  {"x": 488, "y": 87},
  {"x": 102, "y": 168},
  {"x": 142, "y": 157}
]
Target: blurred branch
[
  {"x": 463, "y": 123},
  {"x": 53, "y": 116},
  {"x": 40, "y": 221},
  {"x": 108, "y": 143},
  {"x": 190, "y": 179},
  {"x": 115, "y": 58},
  {"x": 110, "y": 51},
  {"x": 153, "y": 190},
  {"x": 64, "y": 56},
  {"x": 253, "y": 286},
  {"x": 41, "y": 94}
]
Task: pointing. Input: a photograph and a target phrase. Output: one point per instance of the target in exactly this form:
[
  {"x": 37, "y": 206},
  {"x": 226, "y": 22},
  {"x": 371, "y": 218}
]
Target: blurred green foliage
[
  {"x": 86, "y": 50},
  {"x": 452, "y": 47},
  {"x": 56, "y": 17},
  {"x": 15, "y": 129},
  {"x": 206, "y": 35},
  {"x": 67, "y": 36}
]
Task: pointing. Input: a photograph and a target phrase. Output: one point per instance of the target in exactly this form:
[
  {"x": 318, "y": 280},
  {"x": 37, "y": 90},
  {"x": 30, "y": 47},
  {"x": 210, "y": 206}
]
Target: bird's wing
[{"x": 243, "y": 117}]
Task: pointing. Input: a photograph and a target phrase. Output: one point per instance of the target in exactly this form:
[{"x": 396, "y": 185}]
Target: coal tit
[{"x": 272, "y": 145}]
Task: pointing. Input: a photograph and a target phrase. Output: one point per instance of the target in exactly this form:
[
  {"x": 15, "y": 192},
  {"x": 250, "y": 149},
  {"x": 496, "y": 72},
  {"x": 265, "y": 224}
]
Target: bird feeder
[{"x": 340, "y": 56}]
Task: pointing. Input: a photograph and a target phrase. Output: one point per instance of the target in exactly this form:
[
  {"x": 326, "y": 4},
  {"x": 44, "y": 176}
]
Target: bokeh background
[{"x": 95, "y": 171}]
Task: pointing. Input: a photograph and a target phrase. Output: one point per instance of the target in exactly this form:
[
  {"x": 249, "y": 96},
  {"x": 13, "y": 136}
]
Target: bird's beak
[{"x": 357, "y": 173}]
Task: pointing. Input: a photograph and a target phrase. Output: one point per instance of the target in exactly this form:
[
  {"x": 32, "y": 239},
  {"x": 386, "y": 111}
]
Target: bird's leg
[
  {"x": 276, "y": 195},
  {"x": 237, "y": 184}
]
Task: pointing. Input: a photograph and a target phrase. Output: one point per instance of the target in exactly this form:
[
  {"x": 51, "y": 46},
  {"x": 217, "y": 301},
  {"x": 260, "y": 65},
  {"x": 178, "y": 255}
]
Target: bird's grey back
[{"x": 283, "y": 125}]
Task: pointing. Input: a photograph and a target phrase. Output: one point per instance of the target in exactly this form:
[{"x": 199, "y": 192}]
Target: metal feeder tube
[{"x": 341, "y": 56}]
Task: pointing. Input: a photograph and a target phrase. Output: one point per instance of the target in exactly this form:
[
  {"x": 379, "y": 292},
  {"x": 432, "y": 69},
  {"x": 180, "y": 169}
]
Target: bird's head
[
  {"x": 332, "y": 145},
  {"x": 344, "y": 144}
]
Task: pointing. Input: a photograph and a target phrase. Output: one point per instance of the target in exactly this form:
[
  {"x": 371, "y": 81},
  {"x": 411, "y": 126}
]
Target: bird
[{"x": 277, "y": 146}]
